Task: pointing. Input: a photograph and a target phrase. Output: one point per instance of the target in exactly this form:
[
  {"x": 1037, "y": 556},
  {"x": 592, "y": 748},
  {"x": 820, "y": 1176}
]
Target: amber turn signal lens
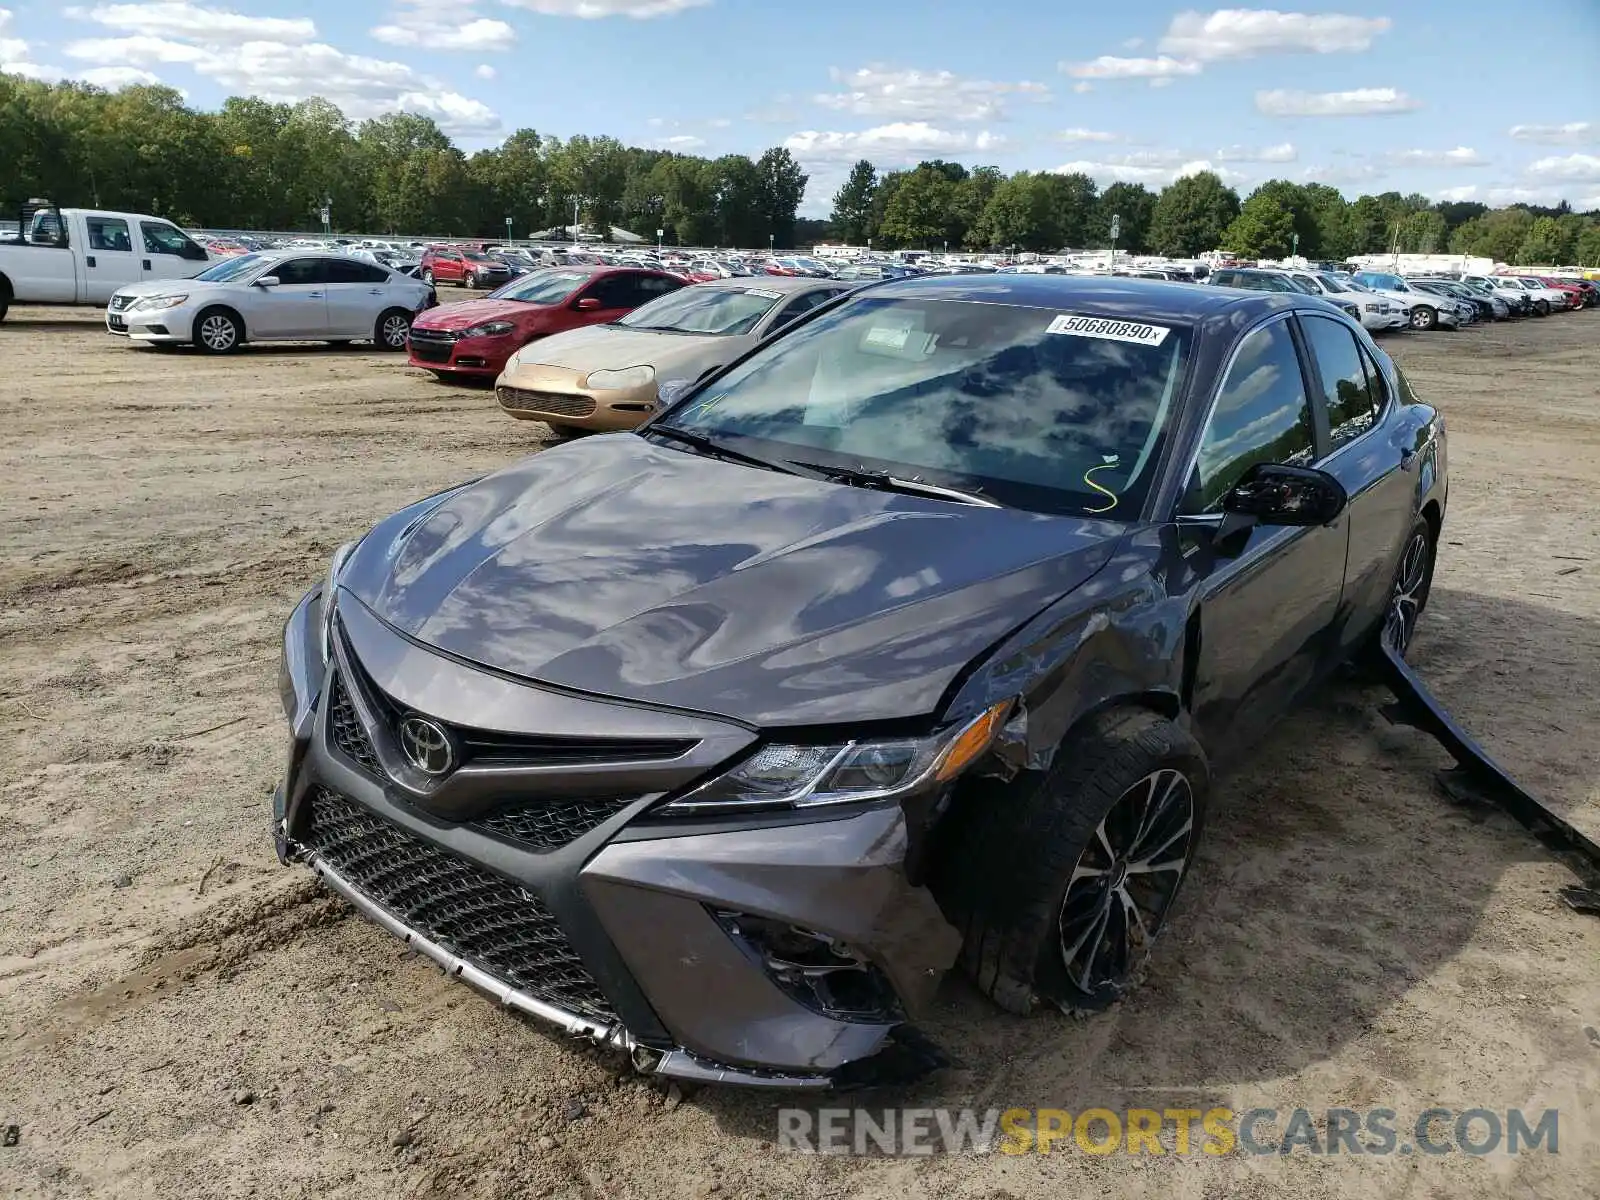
[{"x": 971, "y": 742}]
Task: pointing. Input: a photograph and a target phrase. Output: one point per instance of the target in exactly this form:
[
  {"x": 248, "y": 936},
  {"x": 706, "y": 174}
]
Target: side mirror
[
  {"x": 587, "y": 304},
  {"x": 1277, "y": 494},
  {"x": 267, "y": 281}
]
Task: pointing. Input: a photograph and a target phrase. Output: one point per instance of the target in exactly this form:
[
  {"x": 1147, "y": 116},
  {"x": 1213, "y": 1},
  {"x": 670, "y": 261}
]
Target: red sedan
[{"x": 476, "y": 337}]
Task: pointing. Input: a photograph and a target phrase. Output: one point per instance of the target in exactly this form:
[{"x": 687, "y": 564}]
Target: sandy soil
[{"x": 181, "y": 1016}]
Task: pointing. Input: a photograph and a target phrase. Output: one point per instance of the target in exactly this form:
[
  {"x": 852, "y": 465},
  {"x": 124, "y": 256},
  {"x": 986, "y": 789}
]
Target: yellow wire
[{"x": 1101, "y": 488}]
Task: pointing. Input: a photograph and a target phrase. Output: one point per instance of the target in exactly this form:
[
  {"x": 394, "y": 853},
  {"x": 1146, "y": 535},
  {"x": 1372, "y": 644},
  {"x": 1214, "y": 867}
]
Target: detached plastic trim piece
[{"x": 1477, "y": 777}]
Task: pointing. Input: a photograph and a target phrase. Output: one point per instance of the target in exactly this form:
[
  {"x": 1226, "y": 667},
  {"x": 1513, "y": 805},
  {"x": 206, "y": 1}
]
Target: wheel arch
[{"x": 223, "y": 307}]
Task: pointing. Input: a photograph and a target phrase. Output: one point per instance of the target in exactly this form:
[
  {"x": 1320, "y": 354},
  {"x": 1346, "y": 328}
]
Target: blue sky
[{"x": 1460, "y": 99}]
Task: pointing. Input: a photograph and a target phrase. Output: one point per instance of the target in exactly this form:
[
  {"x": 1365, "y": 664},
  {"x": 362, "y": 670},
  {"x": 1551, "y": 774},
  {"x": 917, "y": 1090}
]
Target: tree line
[
  {"x": 941, "y": 204},
  {"x": 258, "y": 165}
]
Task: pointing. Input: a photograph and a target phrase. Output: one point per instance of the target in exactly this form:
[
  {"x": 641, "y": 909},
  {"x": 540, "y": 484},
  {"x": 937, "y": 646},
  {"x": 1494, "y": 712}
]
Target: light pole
[
  {"x": 508, "y": 230},
  {"x": 327, "y": 215},
  {"x": 575, "y": 222},
  {"x": 772, "y": 243}
]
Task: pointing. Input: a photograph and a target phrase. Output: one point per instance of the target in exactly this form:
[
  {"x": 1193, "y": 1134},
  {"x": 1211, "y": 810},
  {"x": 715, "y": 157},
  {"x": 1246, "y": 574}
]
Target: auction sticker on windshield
[{"x": 1108, "y": 330}]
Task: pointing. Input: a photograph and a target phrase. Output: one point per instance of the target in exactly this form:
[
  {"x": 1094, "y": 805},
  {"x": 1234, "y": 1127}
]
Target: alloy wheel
[
  {"x": 395, "y": 331},
  {"x": 1124, "y": 881},
  {"x": 218, "y": 332},
  {"x": 1410, "y": 588},
  {"x": 1422, "y": 318}
]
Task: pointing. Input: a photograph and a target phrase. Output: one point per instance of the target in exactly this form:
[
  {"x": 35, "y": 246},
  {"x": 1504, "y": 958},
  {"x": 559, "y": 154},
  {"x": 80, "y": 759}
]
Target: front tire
[
  {"x": 1060, "y": 881},
  {"x": 1424, "y": 318},
  {"x": 1542, "y": 307},
  {"x": 217, "y": 331},
  {"x": 393, "y": 330}
]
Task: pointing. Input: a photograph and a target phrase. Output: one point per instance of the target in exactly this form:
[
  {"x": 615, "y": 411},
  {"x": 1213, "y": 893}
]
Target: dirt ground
[{"x": 180, "y": 1016}]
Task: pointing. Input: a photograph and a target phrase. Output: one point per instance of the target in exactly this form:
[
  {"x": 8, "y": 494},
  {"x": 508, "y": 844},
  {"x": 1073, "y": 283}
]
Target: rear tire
[
  {"x": 393, "y": 330},
  {"x": 1060, "y": 881},
  {"x": 1408, "y": 595},
  {"x": 217, "y": 331},
  {"x": 472, "y": 282},
  {"x": 427, "y": 278}
]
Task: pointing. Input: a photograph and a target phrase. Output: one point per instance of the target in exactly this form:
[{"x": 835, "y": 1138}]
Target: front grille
[
  {"x": 548, "y": 825},
  {"x": 429, "y": 353},
  {"x": 564, "y": 404},
  {"x": 442, "y": 336},
  {"x": 498, "y": 926},
  {"x": 349, "y": 737}
]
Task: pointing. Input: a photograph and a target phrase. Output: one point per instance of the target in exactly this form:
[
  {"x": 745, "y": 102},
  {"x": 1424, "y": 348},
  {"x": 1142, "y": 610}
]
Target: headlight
[
  {"x": 801, "y": 777},
  {"x": 1373, "y": 307},
  {"x": 627, "y": 377},
  {"x": 340, "y": 557},
  {"x": 489, "y": 329},
  {"x": 149, "y": 302}
]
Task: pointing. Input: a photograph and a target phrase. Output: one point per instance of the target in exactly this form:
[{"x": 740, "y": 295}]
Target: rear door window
[
  {"x": 108, "y": 233},
  {"x": 301, "y": 271},
  {"x": 355, "y": 271},
  {"x": 1349, "y": 391}
]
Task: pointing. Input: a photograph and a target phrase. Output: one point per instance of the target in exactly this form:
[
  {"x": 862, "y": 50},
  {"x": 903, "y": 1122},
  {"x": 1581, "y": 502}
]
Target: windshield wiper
[
  {"x": 717, "y": 450},
  {"x": 883, "y": 481}
]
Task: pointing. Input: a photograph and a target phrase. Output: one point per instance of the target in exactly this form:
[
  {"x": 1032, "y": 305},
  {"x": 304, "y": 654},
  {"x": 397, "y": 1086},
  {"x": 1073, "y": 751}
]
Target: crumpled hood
[
  {"x": 604, "y": 347},
  {"x": 616, "y": 567},
  {"x": 466, "y": 313}
]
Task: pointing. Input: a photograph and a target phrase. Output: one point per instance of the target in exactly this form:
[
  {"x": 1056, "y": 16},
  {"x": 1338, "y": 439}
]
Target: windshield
[
  {"x": 550, "y": 286},
  {"x": 1039, "y": 409},
  {"x": 1331, "y": 284},
  {"x": 232, "y": 268},
  {"x": 703, "y": 310}
]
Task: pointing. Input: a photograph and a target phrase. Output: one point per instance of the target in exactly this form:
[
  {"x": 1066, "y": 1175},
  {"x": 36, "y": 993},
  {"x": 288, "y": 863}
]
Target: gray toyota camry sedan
[{"x": 907, "y": 642}]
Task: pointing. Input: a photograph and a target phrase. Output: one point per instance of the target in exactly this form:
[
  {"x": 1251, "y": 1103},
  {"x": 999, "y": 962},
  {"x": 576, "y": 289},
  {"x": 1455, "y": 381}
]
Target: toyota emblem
[{"x": 427, "y": 746}]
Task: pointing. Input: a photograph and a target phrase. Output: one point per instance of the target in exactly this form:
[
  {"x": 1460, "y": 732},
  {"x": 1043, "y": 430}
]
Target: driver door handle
[{"x": 314, "y": 295}]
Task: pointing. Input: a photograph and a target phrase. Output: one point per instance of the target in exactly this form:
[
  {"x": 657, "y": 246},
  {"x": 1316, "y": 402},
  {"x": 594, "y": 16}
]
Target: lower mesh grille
[
  {"x": 497, "y": 926},
  {"x": 551, "y": 824},
  {"x": 348, "y": 735},
  {"x": 563, "y": 404}
]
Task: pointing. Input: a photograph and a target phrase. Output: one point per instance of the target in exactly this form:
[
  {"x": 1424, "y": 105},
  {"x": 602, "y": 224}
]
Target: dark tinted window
[
  {"x": 630, "y": 291},
  {"x": 301, "y": 270},
  {"x": 165, "y": 239},
  {"x": 108, "y": 233},
  {"x": 353, "y": 270},
  {"x": 799, "y": 305},
  {"x": 1351, "y": 394},
  {"x": 1262, "y": 415}
]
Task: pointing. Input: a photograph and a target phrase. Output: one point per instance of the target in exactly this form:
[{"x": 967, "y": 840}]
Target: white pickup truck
[{"x": 81, "y": 256}]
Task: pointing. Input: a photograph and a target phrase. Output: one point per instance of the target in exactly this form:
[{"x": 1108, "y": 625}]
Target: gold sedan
[{"x": 607, "y": 377}]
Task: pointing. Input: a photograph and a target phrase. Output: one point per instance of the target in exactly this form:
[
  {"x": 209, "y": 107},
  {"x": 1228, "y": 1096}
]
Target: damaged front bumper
[{"x": 677, "y": 937}]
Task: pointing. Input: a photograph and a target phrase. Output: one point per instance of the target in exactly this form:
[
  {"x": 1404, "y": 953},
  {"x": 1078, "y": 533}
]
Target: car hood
[
  {"x": 617, "y": 567},
  {"x": 160, "y": 287},
  {"x": 602, "y": 347},
  {"x": 467, "y": 313}
]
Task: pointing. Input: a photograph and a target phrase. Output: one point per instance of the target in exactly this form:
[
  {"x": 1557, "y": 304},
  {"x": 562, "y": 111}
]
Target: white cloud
[
  {"x": 1087, "y": 135},
  {"x": 593, "y": 10},
  {"x": 1461, "y": 156},
  {"x": 1132, "y": 43},
  {"x": 1246, "y": 33},
  {"x": 1583, "y": 199},
  {"x": 1575, "y": 167},
  {"x": 113, "y": 78},
  {"x": 483, "y": 71},
  {"x": 1082, "y": 87},
  {"x": 10, "y": 48},
  {"x": 900, "y": 142},
  {"x": 1285, "y": 152},
  {"x": 1342, "y": 173},
  {"x": 1358, "y": 103},
  {"x": 1573, "y": 133},
  {"x": 30, "y": 70},
  {"x": 720, "y": 122},
  {"x": 168, "y": 18},
  {"x": 1155, "y": 168},
  {"x": 422, "y": 23},
  {"x": 1109, "y": 66},
  {"x": 881, "y": 91},
  {"x": 680, "y": 141},
  {"x": 273, "y": 58}
]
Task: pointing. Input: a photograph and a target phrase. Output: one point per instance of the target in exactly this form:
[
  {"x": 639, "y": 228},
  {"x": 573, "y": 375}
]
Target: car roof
[
  {"x": 767, "y": 283},
  {"x": 1113, "y": 296}
]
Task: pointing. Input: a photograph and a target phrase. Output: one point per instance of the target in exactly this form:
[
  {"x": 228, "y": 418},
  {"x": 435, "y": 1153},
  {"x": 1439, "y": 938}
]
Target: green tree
[
  {"x": 1368, "y": 226},
  {"x": 1542, "y": 245},
  {"x": 1498, "y": 234},
  {"x": 1134, "y": 205},
  {"x": 1422, "y": 232},
  {"x": 1587, "y": 253},
  {"x": 1262, "y": 229},
  {"x": 918, "y": 214},
  {"x": 781, "y": 188},
  {"x": 852, "y": 203},
  {"x": 1192, "y": 214},
  {"x": 1067, "y": 203},
  {"x": 972, "y": 196}
]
